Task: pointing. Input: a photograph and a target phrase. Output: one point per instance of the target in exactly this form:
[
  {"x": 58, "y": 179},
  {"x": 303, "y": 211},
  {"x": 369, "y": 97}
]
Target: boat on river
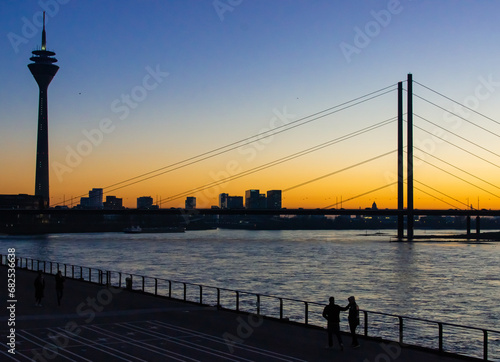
[{"x": 152, "y": 230}]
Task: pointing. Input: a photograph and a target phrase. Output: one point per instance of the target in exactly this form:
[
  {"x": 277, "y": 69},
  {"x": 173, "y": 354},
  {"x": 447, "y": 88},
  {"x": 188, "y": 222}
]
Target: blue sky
[{"x": 218, "y": 72}]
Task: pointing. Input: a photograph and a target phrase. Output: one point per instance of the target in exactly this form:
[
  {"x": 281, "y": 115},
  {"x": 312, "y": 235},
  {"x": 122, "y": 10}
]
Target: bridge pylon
[{"x": 409, "y": 171}]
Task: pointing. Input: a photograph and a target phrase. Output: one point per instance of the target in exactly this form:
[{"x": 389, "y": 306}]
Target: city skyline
[{"x": 189, "y": 78}]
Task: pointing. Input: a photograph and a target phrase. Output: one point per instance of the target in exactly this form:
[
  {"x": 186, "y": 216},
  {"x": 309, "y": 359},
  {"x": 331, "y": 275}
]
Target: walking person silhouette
[
  {"x": 39, "y": 288},
  {"x": 332, "y": 314},
  {"x": 59, "y": 286}
]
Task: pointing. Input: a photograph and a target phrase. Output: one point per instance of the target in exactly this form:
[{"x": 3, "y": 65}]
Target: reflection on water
[{"x": 446, "y": 281}]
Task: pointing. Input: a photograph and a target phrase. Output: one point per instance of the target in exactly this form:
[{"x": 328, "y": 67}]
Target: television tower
[{"x": 43, "y": 71}]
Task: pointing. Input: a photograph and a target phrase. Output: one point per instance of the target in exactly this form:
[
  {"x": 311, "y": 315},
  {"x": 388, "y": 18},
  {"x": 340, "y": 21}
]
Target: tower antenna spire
[{"x": 44, "y": 42}]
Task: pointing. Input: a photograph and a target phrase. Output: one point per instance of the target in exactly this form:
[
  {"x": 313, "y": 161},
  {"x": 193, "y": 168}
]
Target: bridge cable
[
  {"x": 458, "y": 136},
  {"x": 458, "y": 168},
  {"x": 442, "y": 193},
  {"x": 458, "y": 177},
  {"x": 339, "y": 171},
  {"x": 456, "y": 115},
  {"x": 460, "y": 104},
  {"x": 454, "y": 145}
]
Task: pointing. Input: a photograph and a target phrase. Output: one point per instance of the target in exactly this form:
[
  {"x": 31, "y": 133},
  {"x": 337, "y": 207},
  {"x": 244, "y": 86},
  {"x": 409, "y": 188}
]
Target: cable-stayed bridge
[{"x": 406, "y": 158}]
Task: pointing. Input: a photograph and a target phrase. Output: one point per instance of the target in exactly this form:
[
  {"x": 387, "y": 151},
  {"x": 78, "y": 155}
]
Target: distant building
[
  {"x": 95, "y": 198},
  {"x": 94, "y": 201},
  {"x": 145, "y": 202},
  {"x": 235, "y": 202},
  {"x": 113, "y": 203},
  {"x": 230, "y": 202},
  {"x": 274, "y": 199},
  {"x": 255, "y": 200},
  {"x": 190, "y": 203},
  {"x": 223, "y": 200},
  {"x": 21, "y": 201},
  {"x": 84, "y": 203}
]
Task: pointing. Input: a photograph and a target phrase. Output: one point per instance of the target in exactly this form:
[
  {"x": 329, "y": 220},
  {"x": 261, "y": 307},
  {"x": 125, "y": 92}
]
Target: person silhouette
[
  {"x": 59, "y": 286},
  {"x": 39, "y": 289},
  {"x": 331, "y": 313},
  {"x": 353, "y": 320}
]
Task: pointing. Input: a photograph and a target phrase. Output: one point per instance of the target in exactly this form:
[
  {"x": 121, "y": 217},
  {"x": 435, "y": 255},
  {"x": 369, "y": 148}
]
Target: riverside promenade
[{"x": 100, "y": 323}]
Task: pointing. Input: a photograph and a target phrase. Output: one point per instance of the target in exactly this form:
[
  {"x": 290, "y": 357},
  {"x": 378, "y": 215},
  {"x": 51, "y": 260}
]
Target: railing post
[
  {"x": 440, "y": 325},
  {"x": 119, "y": 279},
  {"x": 400, "y": 329},
  {"x": 90, "y": 274},
  {"x": 65, "y": 270},
  {"x": 306, "y": 313},
  {"x": 170, "y": 289},
  {"x": 201, "y": 294},
  {"x": 366, "y": 322},
  {"x": 81, "y": 272},
  {"x": 50, "y": 267},
  {"x": 44, "y": 265},
  {"x": 281, "y": 308},
  {"x": 218, "y": 297},
  {"x": 258, "y": 304},
  {"x": 485, "y": 344},
  {"x": 156, "y": 286},
  {"x": 185, "y": 291},
  {"x": 72, "y": 271},
  {"x": 237, "y": 301},
  {"x": 143, "y": 283}
]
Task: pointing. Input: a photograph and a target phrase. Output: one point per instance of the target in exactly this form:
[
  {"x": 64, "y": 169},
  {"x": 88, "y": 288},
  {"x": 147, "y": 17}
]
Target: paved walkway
[{"x": 95, "y": 323}]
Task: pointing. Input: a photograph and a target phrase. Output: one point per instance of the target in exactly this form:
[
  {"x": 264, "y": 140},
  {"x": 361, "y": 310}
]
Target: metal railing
[{"x": 439, "y": 336}]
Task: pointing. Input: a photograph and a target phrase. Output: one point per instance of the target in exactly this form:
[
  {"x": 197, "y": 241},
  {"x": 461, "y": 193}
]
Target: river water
[{"x": 447, "y": 281}]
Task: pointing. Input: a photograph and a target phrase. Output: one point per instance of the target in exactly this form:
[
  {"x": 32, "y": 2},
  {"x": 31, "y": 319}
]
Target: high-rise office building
[
  {"x": 274, "y": 199},
  {"x": 145, "y": 202},
  {"x": 230, "y": 202},
  {"x": 95, "y": 197},
  {"x": 94, "y": 201},
  {"x": 113, "y": 203},
  {"x": 190, "y": 203},
  {"x": 43, "y": 71},
  {"x": 255, "y": 200}
]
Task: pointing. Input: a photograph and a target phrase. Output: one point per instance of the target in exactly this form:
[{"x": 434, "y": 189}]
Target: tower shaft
[{"x": 42, "y": 150}]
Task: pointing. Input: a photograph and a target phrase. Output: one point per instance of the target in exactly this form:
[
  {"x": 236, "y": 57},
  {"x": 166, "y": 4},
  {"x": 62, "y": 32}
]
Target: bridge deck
[{"x": 95, "y": 323}]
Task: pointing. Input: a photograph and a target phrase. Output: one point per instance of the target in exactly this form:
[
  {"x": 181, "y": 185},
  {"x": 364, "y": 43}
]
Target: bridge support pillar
[
  {"x": 478, "y": 225},
  {"x": 409, "y": 116},
  {"x": 468, "y": 225},
  {"x": 401, "y": 222}
]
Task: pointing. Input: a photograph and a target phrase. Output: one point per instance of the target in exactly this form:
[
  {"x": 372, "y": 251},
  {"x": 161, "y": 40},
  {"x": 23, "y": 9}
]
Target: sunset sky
[{"x": 147, "y": 89}]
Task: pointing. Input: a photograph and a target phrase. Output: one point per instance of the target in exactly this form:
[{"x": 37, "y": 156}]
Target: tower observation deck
[{"x": 43, "y": 71}]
